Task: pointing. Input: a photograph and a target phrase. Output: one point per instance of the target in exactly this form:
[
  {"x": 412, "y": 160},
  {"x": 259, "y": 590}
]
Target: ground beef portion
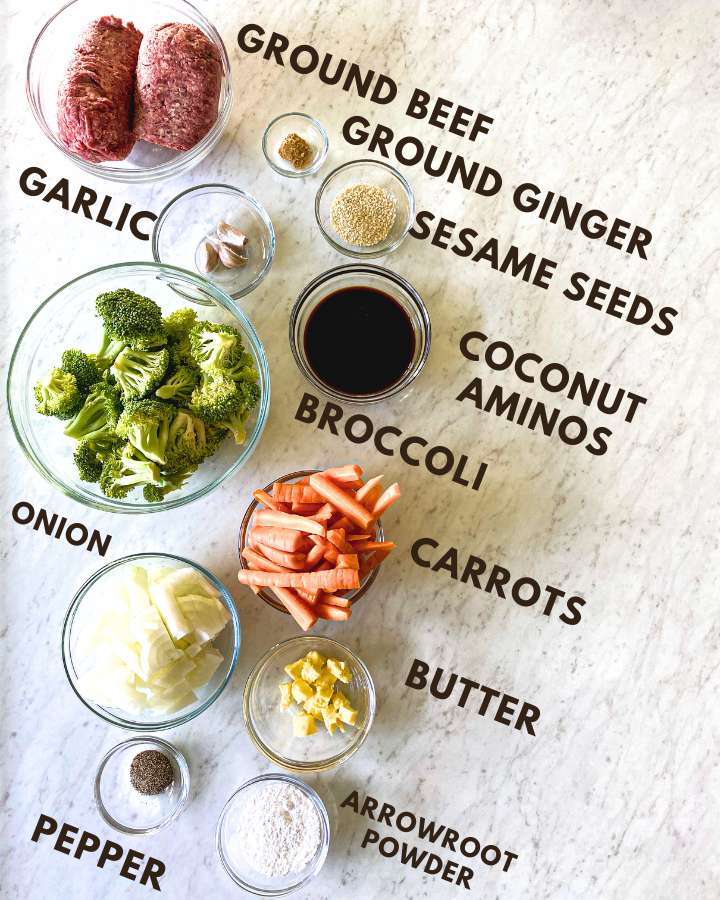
[
  {"x": 179, "y": 74},
  {"x": 96, "y": 95}
]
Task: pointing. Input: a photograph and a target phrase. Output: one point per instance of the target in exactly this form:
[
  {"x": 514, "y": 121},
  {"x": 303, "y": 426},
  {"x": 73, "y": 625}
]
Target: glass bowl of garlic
[{"x": 220, "y": 232}]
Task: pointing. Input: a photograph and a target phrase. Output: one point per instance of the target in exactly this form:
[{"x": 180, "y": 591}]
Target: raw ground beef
[
  {"x": 95, "y": 97},
  {"x": 179, "y": 75}
]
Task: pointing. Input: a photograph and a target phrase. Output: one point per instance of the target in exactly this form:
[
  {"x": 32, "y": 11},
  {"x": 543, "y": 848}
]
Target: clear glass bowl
[
  {"x": 246, "y": 525},
  {"x": 125, "y": 809},
  {"x": 78, "y": 616},
  {"x": 270, "y": 726},
  {"x": 365, "y": 171},
  {"x": 194, "y": 215},
  {"x": 53, "y": 49},
  {"x": 361, "y": 275},
  {"x": 237, "y": 866},
  {"x": 68, "y": 319},
  {"x": 309, "y": 129}
]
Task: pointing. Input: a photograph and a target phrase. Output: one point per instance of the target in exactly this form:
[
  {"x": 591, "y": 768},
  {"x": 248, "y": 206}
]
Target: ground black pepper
[{"x": 151, "y": 772}]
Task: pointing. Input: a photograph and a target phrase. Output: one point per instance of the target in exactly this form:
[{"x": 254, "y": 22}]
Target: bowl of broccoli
[{"x": 129, "y": 398}]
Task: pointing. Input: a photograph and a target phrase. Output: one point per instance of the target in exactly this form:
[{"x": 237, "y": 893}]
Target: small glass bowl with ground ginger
[
  {"x": 295, "y": 145},
  {"x": 365, "y": 208}
]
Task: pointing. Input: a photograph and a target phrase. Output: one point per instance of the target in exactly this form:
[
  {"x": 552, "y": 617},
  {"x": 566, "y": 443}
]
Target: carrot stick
[
  {"x": 295, "y": 493},
  {"x": 342, "y": 500},
  {"x": 331, "y": 554},
  {"x": 343, "y": 473},
  {"x": 305, "y": 509},
  {"x": 331, "y": 581},
  {"x": 330, "y": 611},
  {"x": 344, "y": 523},
  {"x": 258, "y": 561},
  {"x": 324, "y": 566},
  {"x": 336, "y": 536},
  {"x": 324, "y": 514},
  {"x": 298, "y": 609},
  {"x": 387, "y": 498},
  {"x": 363, "y": 546},
  {"x": 315, "y": 555},
  {"x": 296, "y": 561},
  {"x": 372, "y": 562},
  {"x": 369, "y": 492},
  {"x": 334, "y": 600},
  {"x": 347, "y": 561},
  {"x": 279, "y": 538},
  {"x": 358, "y": 537},
  {"x": 287, "y": 520},
  {"x": 266, "y": 500}
]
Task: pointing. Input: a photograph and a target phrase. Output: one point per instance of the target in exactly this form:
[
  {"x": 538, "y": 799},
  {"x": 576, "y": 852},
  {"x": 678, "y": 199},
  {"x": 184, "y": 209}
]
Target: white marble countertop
[{"x": 613, "y": 104}]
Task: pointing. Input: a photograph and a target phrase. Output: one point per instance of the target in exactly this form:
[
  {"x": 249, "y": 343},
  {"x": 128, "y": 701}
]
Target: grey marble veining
[{"x": 613, "y": 104}]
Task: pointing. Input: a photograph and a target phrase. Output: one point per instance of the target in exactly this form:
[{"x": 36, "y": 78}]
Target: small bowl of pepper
[
  {"x": 295, "y": 145},
  {"x": 142, "y": 785}
]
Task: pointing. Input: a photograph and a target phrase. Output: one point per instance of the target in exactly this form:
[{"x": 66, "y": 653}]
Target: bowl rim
[
  {"x": 230, "y": 189},
  {"x": 245, "y": 522},
  {"x": 181, "y": 717},
  {"x": 321, "y": 157},
  {"x": 165, "y": 747},
  {"x": 330, "y": 762},
  {"x": 108, "y": 504},
  {"x": 180, "y": 163},
  {"x": 324, "y": 827},
  {"x": 371, "y": 252},
  {"x": 382, "y": 272}
]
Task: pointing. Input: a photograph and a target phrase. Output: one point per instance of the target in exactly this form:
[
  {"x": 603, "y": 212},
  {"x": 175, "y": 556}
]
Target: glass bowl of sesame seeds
[{"x": 365, "y": 208}]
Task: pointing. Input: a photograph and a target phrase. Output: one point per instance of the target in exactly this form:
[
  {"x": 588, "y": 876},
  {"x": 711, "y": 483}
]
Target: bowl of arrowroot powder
[
  {"x": 365, "y": 208},
  {"x": 273, "y": 835}
]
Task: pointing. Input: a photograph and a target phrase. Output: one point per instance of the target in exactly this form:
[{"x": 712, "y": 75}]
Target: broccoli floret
[
  {"x": 215, "y": 398},
  {"x": 174, "y": 479},
  {"x": 179, "y": 323},
  {"x": 108, "y": 352},
  {"x": 236, "y": 424},
  {"x": 98, "y": 416},
  {"x": 126, "y": 469},
  {"x": 82, "y": 367},
  {"x": 57, "y": 395},
  {"x": 187, "y": 440},
  {"x": 132, "y": 318},
  {"x": 153, "y": 494},
  {"x": 139, "y": 372},
  {"x": 88, "y": 462},
  {"x": 180, "y": 385},
  {"x": 215, "y": 346},
  {"x": 146, "y": 425},
  {"x": 242, "y": 369}
]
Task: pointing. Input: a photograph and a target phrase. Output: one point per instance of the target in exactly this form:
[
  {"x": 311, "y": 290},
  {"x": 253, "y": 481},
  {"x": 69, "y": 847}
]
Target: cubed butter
[
  {"x": 294, "y": 669},
  {"x": 301, "y": 691},
  {"x": 317, "y": 659},
  {"x": 286, "y": 694},
  {"x": 347, "y": 715},
  {"x": 341, "y": 670},
  {"x": 310, "y": 672},
  {"x": 326, "y": 678},
  {"x": 303, "y": 725}
]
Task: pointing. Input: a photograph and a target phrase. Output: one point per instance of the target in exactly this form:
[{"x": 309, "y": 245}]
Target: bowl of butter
[{"x": 309, "y": 704}]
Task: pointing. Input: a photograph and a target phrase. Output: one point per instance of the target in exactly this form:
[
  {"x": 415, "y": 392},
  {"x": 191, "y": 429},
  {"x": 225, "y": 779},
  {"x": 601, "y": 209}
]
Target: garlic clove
[
  {"x": 206, "y": 257},
  {"x": 230, "y": 257},
  {"x": 231, "y": 235}
]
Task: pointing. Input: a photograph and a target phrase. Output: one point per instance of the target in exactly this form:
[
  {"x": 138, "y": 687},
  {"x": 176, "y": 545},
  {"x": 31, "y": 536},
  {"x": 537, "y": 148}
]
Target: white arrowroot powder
[{"x": 277, "y": 829}]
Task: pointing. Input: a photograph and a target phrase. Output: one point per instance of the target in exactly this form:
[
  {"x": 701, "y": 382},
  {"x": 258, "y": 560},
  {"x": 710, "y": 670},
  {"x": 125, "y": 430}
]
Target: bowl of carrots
[{"x": 311, "y": 542}]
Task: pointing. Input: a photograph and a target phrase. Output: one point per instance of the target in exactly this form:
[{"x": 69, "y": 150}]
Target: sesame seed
[{"x": 363, "y": 214}]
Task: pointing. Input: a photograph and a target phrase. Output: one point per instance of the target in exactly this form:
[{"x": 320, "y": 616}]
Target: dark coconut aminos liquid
[{"x": 359, "y": 340}]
